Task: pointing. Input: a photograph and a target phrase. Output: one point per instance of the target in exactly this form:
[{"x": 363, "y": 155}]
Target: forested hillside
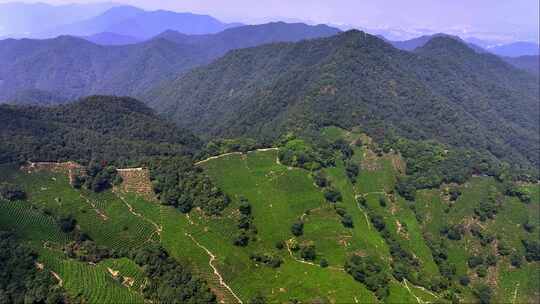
[
  {"x": 444, "y": 91},
  {"x": 111, "y": 129},
  {"x": 70, "y": 67}
]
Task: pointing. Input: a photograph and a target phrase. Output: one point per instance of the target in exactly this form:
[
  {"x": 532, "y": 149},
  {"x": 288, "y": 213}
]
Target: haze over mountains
[{"x": 75, "y": 67}]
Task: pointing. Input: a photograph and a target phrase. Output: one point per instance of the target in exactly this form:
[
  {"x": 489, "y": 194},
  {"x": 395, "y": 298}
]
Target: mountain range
[
  {"x": 443, "y": 90},
  {"x": 134, "y": 22},
  {"x": 75, "y": 67},
  {"x": 18, "y": 19}
]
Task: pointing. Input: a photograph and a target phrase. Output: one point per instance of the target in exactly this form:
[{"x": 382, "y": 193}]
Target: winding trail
[
  {"x": 159, "y": 229},
  {"x": 234, "y": 153},
  {"x": 211, "y": 263},
  {"x": 96, "y": 209},
  {"x": 412, "y": 293}
]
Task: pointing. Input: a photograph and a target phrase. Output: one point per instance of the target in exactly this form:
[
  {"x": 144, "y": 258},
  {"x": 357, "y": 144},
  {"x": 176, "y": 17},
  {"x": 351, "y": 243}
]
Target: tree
[
  {"x": 308, "y": 253},
  {"x": 352, "y": 171},
  {"x": 483, "y": 293},
  {"x": 378, "y": 222},
  {"x": 347, "y": 221},
  {"x": 241, "y": 239},
  {"x": 323, "y": 263},
  {"x": 320, "y": 179},
  {"x": 297, "y": 228},
  {"x": 67, "y": 224},
  {"x": 516, "y": 260},
  {"x": 245, "y": 208},
  {"x": 332, "y": 195},
  {"x": 464, "y": 280},
  {"x": 382, "y": 201}
]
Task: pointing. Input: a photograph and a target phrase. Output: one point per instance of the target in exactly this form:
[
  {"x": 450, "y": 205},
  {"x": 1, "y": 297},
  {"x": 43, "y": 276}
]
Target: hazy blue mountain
[
  {"x": 150, "y": 24},
  {"x": 97, "y": 24},
  {"x": 250, "y": 35},
  {"x": 516, "y": 49},
  {"x": 530, "y": 64},
  {"x": 71, "y": 67},
  {"x": 25, "y": 19},
  {"x": 412, "y": 44},
  {"x": 111, "y": 39}
]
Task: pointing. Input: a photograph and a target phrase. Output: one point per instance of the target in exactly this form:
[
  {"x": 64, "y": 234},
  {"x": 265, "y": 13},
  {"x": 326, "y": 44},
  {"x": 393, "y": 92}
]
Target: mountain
[
  {"x": 134, "y": 22},
  {"x": 72, "y": 67},
  {"x": 530, "y": 64},
  {"x": 516, "y": 49},
  {"x": 412, "y": 44},
  {"x": 107, "y": 128},
  {"x": 19, "y": 19},
  {"x": 250, "y": 35},
  {"x": 443, "y": 91},
  {"x": 96, "y": 24},
  {"x": 111, "y": 39},
  {"x": 149, "y": 24}
]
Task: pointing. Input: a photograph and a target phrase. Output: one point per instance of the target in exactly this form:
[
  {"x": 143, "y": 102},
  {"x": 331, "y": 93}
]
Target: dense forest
[
  {"x": 444, "y": 91},
  {"x": 107, "y": 129}
]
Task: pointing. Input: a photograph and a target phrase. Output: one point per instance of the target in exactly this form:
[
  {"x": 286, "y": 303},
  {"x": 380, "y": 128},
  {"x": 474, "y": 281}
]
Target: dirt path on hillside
[
  {"x": 100, "y": 213},
  {"x": 159, "y": 229},
  {"x": 211, "y": 264},
  {"x": 234, "y": 153},
  {"x": 58, "y": 278}
]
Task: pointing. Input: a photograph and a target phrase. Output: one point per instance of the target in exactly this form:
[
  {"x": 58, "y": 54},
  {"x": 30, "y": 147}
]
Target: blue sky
[{"x": 518, "y": 18}]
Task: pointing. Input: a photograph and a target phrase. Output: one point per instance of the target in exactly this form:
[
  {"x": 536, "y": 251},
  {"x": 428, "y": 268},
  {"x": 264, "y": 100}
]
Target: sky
[{"x": 518, "y": 18}]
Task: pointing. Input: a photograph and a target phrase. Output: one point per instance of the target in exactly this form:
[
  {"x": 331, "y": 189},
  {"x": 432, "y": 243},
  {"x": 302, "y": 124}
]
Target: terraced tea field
[{"x": 279, "y": 197}]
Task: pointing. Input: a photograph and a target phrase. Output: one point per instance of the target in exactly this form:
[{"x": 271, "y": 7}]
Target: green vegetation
[
  {"x": 20, "y": 280},
  {"x": 113, "y": 130},
  {"x": 11, "y": 192}
]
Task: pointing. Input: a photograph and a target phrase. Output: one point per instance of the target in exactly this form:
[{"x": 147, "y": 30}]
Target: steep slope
[
  {"x": 445, "y": 91},
  {"x": 71, "y": 67},
  {"x": 530, "y": 64},
  {"x": 120, "y": 130}
]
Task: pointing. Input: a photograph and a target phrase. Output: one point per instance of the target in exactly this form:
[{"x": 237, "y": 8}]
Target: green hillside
[
  {"x": 282, "y": 239},
  {"x": 112, "y": 129},
  {"x": 445, "y": 91}
]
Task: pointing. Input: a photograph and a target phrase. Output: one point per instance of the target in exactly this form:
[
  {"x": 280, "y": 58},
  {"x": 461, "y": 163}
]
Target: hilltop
[{"x": 443, "y": 91}]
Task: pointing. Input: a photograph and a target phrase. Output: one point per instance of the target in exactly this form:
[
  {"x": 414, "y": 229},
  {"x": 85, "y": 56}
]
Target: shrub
[
  {"x": 382, "y": 201},
  {"x": 245, "y": 208},
  {"x": 484, "y": 294}
]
